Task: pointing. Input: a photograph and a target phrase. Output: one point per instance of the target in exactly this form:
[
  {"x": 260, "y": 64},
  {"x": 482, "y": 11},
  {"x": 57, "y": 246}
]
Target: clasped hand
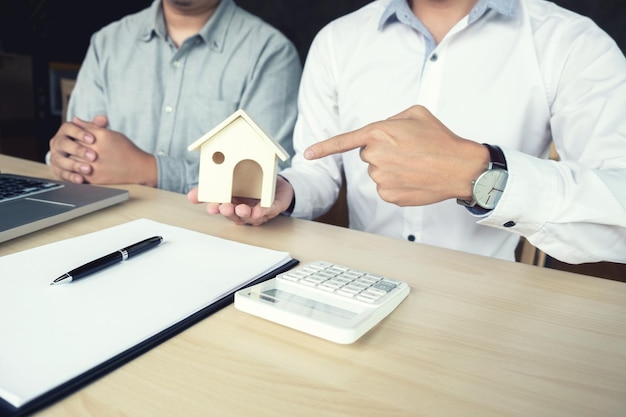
[{"x": 90, "y": 152}]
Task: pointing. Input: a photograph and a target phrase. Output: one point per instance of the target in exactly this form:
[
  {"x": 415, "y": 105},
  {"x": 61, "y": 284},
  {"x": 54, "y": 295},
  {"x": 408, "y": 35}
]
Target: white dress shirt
[{"x": 513, "y": 73}]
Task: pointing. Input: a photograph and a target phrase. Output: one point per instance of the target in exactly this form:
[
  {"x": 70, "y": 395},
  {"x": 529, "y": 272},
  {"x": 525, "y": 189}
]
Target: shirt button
[
  {"x": 161, "y": 153},
  {"x": 169, "y": 109},
  {"x": 510, "y": 223},
  {"x": 176, "y": 64},
  {"x": 434, "y": 57},
  {"x": 411, "y": 238}
]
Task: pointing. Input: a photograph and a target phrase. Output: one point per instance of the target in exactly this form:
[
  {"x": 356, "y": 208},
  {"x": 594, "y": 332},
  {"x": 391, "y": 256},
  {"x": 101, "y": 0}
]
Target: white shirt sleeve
[
  {"x": 575, "y": 209},
  {"x": 316, "y": 183}
]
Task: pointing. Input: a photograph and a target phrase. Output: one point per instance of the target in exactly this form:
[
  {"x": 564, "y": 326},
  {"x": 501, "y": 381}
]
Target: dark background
[
  {"x": 55, "y": 35},
  {"x": 59, "y": 30}
]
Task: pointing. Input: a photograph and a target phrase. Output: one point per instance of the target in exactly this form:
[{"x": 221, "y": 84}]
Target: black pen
[{"x": 108, "y": 260}]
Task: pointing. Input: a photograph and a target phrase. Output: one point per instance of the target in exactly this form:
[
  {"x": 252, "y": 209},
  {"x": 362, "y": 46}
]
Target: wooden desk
[{"x": 476, "y": 336}]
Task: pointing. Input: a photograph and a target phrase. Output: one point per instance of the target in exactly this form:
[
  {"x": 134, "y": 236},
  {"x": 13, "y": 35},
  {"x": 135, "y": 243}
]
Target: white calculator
[{"x": 330, "y": 301}]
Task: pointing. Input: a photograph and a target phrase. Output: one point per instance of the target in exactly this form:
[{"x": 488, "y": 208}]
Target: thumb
[
  {"x": 101, "y": 120},
  {"x": 193, "y": 195}
]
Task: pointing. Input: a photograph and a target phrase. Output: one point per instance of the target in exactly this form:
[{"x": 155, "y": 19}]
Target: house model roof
[{"x": 278, "y": 149}]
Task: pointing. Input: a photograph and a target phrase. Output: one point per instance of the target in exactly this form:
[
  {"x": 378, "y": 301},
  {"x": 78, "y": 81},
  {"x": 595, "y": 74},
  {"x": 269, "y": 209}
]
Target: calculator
[{"x": 331, "y": 301}]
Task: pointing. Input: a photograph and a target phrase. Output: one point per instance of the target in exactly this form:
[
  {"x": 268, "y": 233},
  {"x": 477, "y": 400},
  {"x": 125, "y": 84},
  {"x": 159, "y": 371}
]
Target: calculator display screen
[{"x": 306, "y": 305}]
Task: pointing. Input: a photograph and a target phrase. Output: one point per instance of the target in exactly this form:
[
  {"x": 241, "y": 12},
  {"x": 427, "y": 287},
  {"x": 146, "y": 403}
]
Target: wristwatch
[{"x": 489, "y": 186}]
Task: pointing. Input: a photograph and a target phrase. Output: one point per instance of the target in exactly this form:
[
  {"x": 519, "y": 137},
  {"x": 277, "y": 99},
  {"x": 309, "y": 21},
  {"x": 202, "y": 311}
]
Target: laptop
[{"x": 29, "y": 204}]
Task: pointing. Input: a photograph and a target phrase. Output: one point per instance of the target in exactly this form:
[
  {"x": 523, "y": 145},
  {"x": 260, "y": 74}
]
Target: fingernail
[
  {"x": 84, "y": 169},
  {"x": 309, "y": 154},
  {"x": 88, "y": 138},
  {"x": 90, "y": 155}
]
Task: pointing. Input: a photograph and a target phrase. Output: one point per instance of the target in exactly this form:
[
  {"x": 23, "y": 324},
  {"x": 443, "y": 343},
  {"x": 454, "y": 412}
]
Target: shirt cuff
[
  {"x": 292, "y": 205},
  {"x": 479, "y": 211}
]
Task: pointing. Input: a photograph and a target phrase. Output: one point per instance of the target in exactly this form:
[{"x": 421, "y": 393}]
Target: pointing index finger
[{"x": 337, "y": 144}]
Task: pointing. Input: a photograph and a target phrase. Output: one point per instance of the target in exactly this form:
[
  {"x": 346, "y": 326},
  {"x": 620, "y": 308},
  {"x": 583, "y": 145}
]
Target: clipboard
[{"x": 109, "y": 364}]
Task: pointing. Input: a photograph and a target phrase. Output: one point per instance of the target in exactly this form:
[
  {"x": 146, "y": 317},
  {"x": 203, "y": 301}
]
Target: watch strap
[
  {"x": 292, "y": 205},
  {"x": 497, "y": 156},
  {"x": 497, "y": 161}
]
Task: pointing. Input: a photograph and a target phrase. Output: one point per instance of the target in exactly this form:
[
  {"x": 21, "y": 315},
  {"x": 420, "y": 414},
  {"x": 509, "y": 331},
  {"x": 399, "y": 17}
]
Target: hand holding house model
[{"x": 237, "y": 159}]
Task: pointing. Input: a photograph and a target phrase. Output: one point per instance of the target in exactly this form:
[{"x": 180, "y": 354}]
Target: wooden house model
[{"x": 237, "y": 159}]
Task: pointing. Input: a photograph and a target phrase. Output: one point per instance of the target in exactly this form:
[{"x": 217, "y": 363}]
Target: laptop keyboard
[{"x": 12, "y": 188}]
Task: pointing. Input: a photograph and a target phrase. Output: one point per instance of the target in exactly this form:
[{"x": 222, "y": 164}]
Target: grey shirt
[{"x": 164, "y": 98}]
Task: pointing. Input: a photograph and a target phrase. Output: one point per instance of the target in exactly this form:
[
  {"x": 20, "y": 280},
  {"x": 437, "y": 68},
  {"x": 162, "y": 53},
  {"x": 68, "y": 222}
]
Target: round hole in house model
[{"x": 218, "y": 158}]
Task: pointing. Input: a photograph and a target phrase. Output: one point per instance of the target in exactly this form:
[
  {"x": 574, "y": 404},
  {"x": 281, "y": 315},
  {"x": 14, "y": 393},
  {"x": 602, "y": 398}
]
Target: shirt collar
[
  {"x": 155, "y": 25},
  {"x": 213, "y": 32},
  {"x": 400, "y": 11}
]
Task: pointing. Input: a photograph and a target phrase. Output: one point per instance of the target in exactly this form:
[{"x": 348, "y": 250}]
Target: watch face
[{"x": 488, "y": 188}]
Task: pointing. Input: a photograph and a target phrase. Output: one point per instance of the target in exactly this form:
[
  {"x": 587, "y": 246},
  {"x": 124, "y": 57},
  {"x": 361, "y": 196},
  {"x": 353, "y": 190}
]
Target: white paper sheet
[{"x": 50, "y": 334}]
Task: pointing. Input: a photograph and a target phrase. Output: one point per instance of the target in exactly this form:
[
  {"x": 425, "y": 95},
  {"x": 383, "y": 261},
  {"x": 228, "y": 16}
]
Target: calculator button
[
  {"x": 309, "y": 282},
  {"x": 352, "y": 274},
  {"x": 348, "y": 292},
  {"x": 366, "y": 297},
  {"x": 292, "y": 276},
  {"x": 366, "y": 281},
  {"x": 374, "y": 277},
  {"x": 327, "y": 288},
  {"x": 385, "y": 286},
  {"x": 341, "y": 279},
  {"x": 319, "y": 265},
  {"x": 324, "y": 274},
  {"x": 333, "y": 284},
  {"x": 359, "y": 285},
  {"x": 376, "y": 291}
]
